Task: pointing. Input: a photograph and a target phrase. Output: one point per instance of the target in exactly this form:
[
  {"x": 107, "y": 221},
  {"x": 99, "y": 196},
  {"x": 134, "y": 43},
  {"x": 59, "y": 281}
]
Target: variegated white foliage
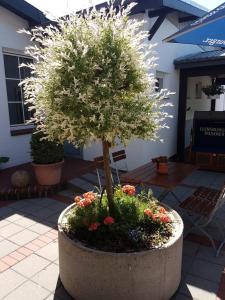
[{"x": 91, "y": 79}]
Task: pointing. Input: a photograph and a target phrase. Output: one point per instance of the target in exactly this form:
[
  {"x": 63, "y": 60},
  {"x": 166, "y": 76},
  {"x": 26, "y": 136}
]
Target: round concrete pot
[
  {"x": 148, "y": 275},
  {"x": 49, "y": 174}
]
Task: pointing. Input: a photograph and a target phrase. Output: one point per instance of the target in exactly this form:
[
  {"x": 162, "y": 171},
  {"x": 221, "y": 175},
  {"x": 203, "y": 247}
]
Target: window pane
[
  {"x": 11, "y": 66},
  {"x": 24, "y": 71},
  {"x": 13, "y": 90},
  {"x": 15, "y": 113},
  {"x": 27, "y": 114}
]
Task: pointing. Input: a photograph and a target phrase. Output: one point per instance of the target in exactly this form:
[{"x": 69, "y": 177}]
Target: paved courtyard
[{"x": 29, "y": 252}]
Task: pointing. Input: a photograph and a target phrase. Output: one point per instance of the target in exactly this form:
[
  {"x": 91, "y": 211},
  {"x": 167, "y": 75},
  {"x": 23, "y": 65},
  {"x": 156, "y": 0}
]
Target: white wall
[
  {"x": 17, "y": 148},
  {"x": 140, "y": 152}
]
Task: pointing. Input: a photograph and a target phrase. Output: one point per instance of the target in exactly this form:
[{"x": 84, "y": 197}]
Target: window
[
  {"x": 18, "y": 111},
  {"x": 159, "y": 84}
]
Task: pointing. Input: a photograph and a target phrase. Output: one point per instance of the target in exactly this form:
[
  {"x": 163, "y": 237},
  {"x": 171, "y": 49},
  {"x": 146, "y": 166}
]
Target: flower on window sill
[
  {"x": 129, "y": 189},
  {"x": 109, "y": 221}
]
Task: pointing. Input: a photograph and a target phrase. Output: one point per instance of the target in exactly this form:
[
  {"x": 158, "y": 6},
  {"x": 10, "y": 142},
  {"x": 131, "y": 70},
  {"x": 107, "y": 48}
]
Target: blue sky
[{"x": 62, "y": 7}]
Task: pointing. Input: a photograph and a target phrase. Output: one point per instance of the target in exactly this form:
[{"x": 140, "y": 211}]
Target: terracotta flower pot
[
  {"x": 162, "y": 168},
  {"x": 48, "y": 174}
]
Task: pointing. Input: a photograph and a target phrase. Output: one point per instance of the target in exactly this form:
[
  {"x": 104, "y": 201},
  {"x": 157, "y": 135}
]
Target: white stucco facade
[{"x": 15, "y": 147}]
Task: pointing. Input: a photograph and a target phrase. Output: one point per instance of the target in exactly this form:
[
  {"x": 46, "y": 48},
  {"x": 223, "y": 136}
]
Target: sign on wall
[{"x": 209, "y": 132}]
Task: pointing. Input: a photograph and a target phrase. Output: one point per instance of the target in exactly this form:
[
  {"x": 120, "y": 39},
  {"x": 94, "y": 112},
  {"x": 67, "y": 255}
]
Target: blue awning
[{"x": 208, "y": 30}]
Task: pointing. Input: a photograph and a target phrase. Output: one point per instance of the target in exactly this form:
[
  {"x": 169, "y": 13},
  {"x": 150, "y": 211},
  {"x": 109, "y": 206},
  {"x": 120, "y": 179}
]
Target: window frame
[{"x": 18, "y": 54}]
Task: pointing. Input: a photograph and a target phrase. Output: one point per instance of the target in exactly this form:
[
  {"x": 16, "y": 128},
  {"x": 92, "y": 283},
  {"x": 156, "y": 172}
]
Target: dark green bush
[
  {"x": 44, "y": 151},
  {"x": 3, "y": 159}
]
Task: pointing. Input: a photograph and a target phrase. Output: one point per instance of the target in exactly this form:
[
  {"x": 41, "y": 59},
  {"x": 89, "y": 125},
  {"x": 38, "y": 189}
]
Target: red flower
[
  {"x": 109, "y": 221},
  {"x": 77, "y": 199},
  {"x": 129, "y": 189},
  {"x": 93, "y": 226}
]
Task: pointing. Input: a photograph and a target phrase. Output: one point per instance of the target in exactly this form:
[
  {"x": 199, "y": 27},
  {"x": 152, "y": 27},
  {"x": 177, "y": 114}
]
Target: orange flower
[
  {"x": 148, "y": 212},
  {"x": 93, "y": 226},
  {"x": 77, "y": 199},
  {"x": 129, "y": 189},
  {"x": 89, "y": 196},
  {"x": 109, "y": 221},
  {"x": 162, "y": 210},
  {"x": 163, "y": 218}
]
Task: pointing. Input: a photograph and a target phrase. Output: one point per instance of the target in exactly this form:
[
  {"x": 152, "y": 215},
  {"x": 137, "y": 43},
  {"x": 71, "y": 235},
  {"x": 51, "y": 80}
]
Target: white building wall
[
  {"x": 17, "y": 148},
  {"x": 140, "y": 152}
]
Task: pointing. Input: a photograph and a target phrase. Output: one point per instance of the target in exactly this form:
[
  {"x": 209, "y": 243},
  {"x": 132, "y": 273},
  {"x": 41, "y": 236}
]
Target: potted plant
[
  {"x": 213, "y": 92},
  {"x": 47, "y": 159},
  {"x": 92, "y": 83},
  {"x": 161, "y": 164}
]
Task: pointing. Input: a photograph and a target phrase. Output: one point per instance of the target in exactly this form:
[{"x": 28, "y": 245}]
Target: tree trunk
[{"x": 108, "y": 176}]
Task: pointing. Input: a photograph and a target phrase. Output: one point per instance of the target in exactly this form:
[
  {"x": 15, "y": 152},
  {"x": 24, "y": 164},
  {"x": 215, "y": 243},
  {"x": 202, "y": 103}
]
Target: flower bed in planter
[{"x": 134, "y": 273}]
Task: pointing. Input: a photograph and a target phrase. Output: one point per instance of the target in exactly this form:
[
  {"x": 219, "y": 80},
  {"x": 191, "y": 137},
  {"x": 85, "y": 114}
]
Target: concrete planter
[{"x": 149, "y": 275}]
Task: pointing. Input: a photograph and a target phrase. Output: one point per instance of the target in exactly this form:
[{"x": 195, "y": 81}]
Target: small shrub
[{"x": 44, "y": 151}]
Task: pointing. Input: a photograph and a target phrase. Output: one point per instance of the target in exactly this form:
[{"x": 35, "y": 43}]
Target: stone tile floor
[{"x": 29, "y": 252}]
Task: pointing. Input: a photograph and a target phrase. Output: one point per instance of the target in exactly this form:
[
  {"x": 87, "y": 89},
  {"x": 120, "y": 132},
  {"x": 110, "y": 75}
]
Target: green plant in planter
[
  {"x": 212, "y": 90},
  {"x": 44, "y": 151},
  {"x": 92, "y": 83}
]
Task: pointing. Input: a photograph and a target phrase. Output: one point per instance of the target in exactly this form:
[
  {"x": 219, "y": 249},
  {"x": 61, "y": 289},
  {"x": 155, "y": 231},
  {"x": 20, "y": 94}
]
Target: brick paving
[{"x": 29, "y": 252}]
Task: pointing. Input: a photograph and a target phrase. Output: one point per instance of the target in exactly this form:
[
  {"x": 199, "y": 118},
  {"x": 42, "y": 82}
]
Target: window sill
[{"x": 22, "y": 131}]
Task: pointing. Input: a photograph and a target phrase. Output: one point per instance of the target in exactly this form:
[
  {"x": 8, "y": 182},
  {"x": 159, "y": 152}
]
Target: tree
[{"x": 90, "y": 82}]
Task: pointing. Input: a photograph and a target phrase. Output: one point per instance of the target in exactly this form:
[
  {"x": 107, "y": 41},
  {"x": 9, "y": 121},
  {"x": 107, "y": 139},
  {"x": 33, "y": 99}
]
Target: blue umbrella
[{"x": 208, "y": 30}]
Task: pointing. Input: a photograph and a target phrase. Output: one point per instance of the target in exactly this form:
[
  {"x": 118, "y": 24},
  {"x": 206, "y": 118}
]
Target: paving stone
[
  {"x": 25, "y": 222},
  {"x": 30, "y": 209},
  {"x": 53, "y": 219},
  {"x": 49, "y": 251},
  {"x": 7, "y": 247},
  {"x": 10, "y": 229},
  {"x": 9, "y": 281},
  {"x": 62, "y": 294},
  {"x": 206, "y": 270},
  {"x": 14, "y": 217},
  {"x": 52, "y": 297},
  {"x": 23, "y": 237},
  {"x": 31, "y": 265},
  {"x": 18, "y": 204},
  {"x": 183, "y": 297},
  {"x": 48, "y": 277},
  {"x": 208, "y": 254},
  {"x": 3, "y": 266},
  {"x": 43, "y": 213},
  {"x": 198, "y": 288},
  {"x": 28, "y": 290},
  {"x": 187, "y": 263},
  {"x": 190, "y": 249},
  {"x": 40, "y": 228},
  {"x": 3, "y": 223},
  {"x": 6, "y": 212}
]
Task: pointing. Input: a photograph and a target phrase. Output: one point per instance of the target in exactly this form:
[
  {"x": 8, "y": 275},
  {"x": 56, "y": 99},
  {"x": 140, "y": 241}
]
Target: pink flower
[
  {"x": 109, "y": 221},
  {"x": 89, "y": 196},
  {"x": 93, "y": 226}
]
